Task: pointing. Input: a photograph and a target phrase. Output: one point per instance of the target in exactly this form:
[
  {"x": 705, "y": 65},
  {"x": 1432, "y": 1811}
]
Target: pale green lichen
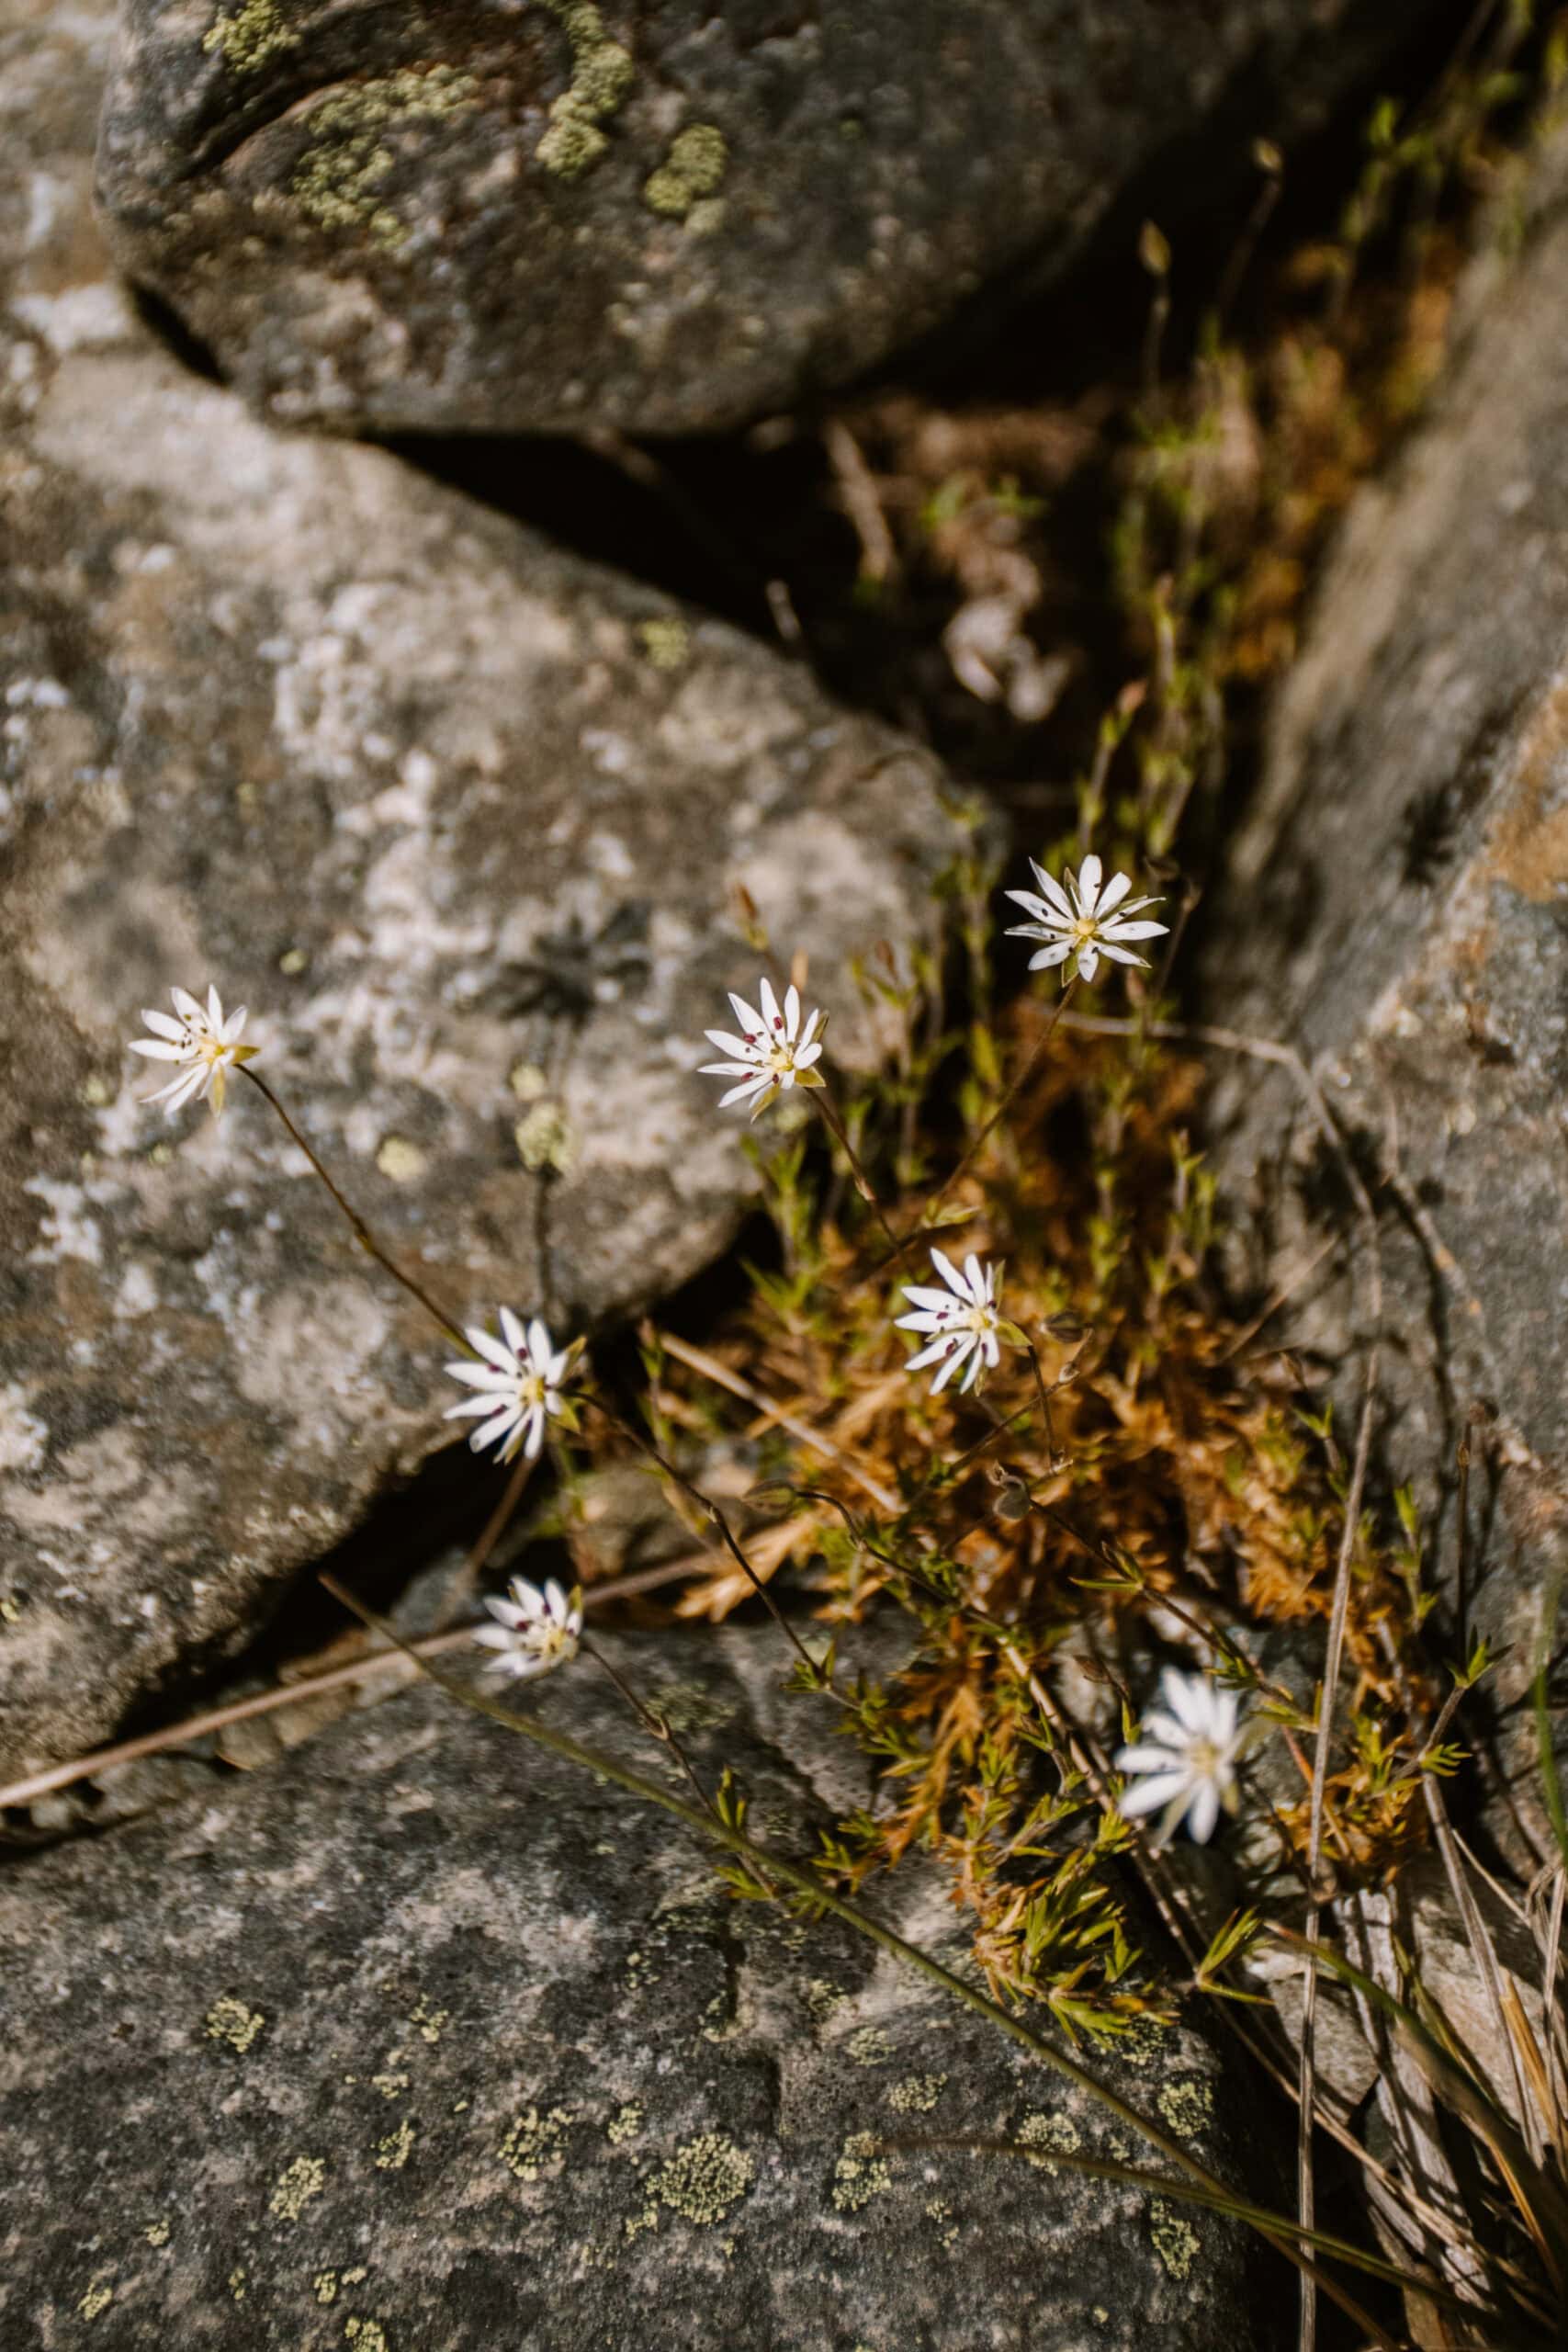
[
  {"x": 527, "y": 1082},
  {"x": 390, "y": 2085},
  {"x": 859, "y": 2176},
  {"x": 1188, "y": 2106},
  {"x": 324, "y": 2285},
  {"x": 247, "y": 38},
  {"x": 237, "y": 2282},
  {"x": 229, "y": 2021},
  {"x": 392, "y": 2153},
  {"x": 625, "y": 2124},
  {"x": 366, "y": 2335},
  {"x": 1176, "y": 2242},
  {"x": 695, "y": 167},
  {"x": 869, "y": 2046},
  {"x": 1056, "y": 2131},
  {"x": 937, "y": 2210},
  {"x": 546, "y": 1143},
  {"x": 293, "y": 961},
  {"x": 666, "y": 641},
  {"x": 429, "y": 2021},
  {"x": 346, "y": 160},
  {"x": 535, "y": 2142},
  {"x": 1145, "y": 2042},
  {"x": 157, "y": 2232},
  {"x": 399, "y": 1159},
  {"x": 706, "y": 2178},
  {"x": 917, "y": 2093},
  {"x": 822, "y": 1999},
  {"x": 601, "y": 74},
  {"x": 305, "y": 2178},
  {"x": 97, "y": 2299}
]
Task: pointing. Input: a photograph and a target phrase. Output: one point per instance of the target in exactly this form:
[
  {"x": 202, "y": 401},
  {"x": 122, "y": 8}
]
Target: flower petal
[
  {"x": 1057, "y": 898},
  {"x": 1203, "y": 1812},
  {"x": 1087, "y": 885},
  {"x": 1057, "y": 953},
  {"x": 1149, "y": 1795},
  {"x": 1114, "y": 893}
]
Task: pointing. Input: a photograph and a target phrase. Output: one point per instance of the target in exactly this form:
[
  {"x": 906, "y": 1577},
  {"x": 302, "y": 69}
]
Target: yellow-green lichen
[
  {"x": 527, "y": 1082},
  {"x": 246, "y": 40},
  {"x": 229, "y": 2021},
  {"x": 237, "y": 2282},
  {"x": 1145, "y": 2042},
  {"x": 695, "y": 166},
  {"x": 157, "y": 2232},
  {"x": 429, "y": 2021},
  {"x": 704, "y": 2178},
  {"x": 1176, "y": 2242},
  {"x": 399, "y": 1159},
  {"x": 625, "y": 2124},
  {"x": 546, "y": 1144},
  {"x": 390, "y": 2085},
  {"x": 822, "y": 1999},
  {"x": 917, "y": 2093},
  {"x": 535, "y": 2142},
  {"x": 346, "y": 160},
  {"x": 937, "y": 2210},
  {"x": 293, "y": 961},
  {"x": 97, "y": 2299},
  {"x": 666, "y": 641},
  {"x": 366, "y": 2335},
  {"x": 392, "y": 2153},
  {"x": 870, "y": 2046},
  {"x": 305, "y": 2178},
  {"x": 324, "y": 2285},
  {"x": 601, "y": 74},
  {"x": 859, "y": 2176},
  {"x": 1188, "y": 2106},
  {"x": 1055, "y": 2131}
]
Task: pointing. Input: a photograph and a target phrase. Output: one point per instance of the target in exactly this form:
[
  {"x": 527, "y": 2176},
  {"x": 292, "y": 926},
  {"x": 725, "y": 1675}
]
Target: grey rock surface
[
  {"x": 666, "y": 218},
  {"x": 424, "y": 2040},
  {"x": 460, "y": 817},
  {"x": 1396, "y": 907}
]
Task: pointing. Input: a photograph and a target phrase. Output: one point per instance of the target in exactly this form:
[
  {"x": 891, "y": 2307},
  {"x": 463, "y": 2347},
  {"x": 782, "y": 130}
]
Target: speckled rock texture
[
  {"x": 460, "y": 817},
  {"x": 660, "y": 217},
  {"x": 426, "y": 2041},
  {"x": 1397, "y": 908}
]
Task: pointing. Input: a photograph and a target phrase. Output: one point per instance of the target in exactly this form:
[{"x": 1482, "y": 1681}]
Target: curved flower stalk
[
  {"x": 773, "y": 1051},
  {"x": 1080, "y": 921},
  {"x": 535, "y": 1629},
  {"x": 518, "y": 1379},
  {"x": 1187, "y": 1757},
  {"x": 965, "y": 1319},
  {"x": 203, "y": 1045}
]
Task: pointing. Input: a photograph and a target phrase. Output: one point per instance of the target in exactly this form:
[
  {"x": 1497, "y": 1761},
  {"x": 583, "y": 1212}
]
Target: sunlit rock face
[
  {"x": 462, "y": 819},
  {"x": 467, "y": 2047},
  {"x": 1396, "y": 905},
  {"x": 670, "y": 217}
]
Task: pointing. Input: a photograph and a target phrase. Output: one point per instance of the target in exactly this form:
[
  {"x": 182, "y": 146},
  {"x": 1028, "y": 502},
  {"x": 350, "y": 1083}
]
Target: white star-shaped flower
[
  {"x": 518, "y": 1378},
  {"x": 206, "y": 1046},
  {"x": 772, "y": 1052},
  {"x": 964, "y": 1317},
  {"x": 1089, "y": 924},
  {"x": 1187, "y": 1755},
  {"x": 534, "y": 1631}
]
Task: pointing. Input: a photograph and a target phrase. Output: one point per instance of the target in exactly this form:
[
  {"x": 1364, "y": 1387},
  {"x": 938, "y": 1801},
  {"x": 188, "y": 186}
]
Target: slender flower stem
[
  {"x": 711, "y": 1510},
  {"x": 361, "y": 1232},
  {"x": 1276, "y": 2228},
  {"x": 656, "y": 1725},
  {"x": 460, "y": 1590},
  {"x": 828, "y": 1113}
]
